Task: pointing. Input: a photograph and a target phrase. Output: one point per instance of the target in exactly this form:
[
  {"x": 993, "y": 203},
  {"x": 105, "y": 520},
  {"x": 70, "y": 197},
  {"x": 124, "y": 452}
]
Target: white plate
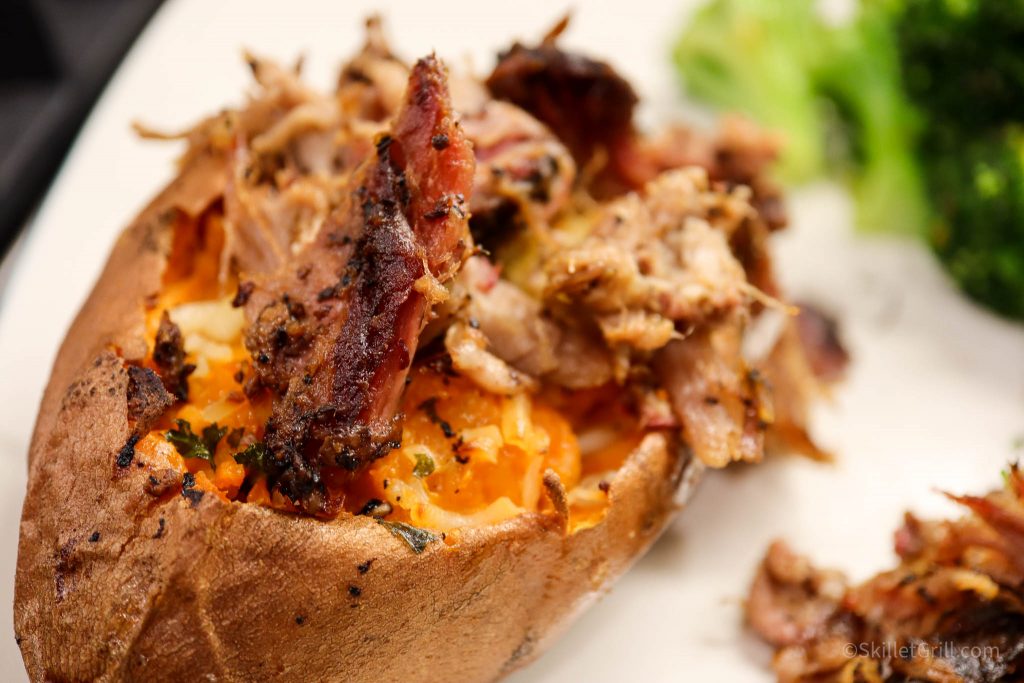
[{"x": 934, "y": 399}]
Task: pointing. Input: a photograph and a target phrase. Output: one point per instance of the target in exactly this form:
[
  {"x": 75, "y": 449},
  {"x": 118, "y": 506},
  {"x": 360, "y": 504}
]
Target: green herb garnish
[
  {"x": 424, "y": 465},
  {"x": 192, "y": 445},
  {"x": 255, "y": 456},
  {"x": 417, "y": 538}
]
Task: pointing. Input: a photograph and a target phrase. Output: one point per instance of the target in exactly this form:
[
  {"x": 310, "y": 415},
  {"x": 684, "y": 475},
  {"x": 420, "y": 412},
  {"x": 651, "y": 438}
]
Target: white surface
[{"x": 934, "y": 399}]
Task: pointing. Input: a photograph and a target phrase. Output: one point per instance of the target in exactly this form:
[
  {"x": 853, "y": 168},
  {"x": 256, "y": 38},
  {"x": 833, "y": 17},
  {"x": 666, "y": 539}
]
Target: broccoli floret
[
  {"x": 861, "y": 78},
  {"x": 978, "y": 187},
  {"x": 924, "y": 97},
  {"x": 758, "y": 58},
  {"x": 963, "y": 67},
  {"x": 833, "y": 91},
  {"x": 963, "y": 60}
]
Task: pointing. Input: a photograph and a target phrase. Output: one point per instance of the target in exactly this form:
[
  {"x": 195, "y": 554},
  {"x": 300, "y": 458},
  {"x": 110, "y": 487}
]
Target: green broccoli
[
  {"x": 861, "y": 79},
  {"x": 963, "y": 68},
  {"x": 978, "y": 232},
  {"x": 757, "y": 58},
  {"x": 834, "y": 93},
  {"x": 963, "y": 60},
  {"x": 919, "y": 104}
]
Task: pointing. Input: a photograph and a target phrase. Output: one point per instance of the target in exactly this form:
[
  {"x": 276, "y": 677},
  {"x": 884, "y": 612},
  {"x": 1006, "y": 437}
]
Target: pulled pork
[
  {"x": 654, "y": 260},
  {"x": 952, "y": 611},
  {"x": 334, "y": 335},
  {"x": 523, "y": 227},
  {"x": 584, "y": 101}
]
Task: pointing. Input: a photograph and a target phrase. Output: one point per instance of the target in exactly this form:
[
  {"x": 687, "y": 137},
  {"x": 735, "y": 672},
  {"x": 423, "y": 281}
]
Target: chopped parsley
[
  {"x": 192, "y": 445},
  {"x": 424, "y": 465},
  {"x": 416, "y": 538},
  {"x": 256, "y": 456}
]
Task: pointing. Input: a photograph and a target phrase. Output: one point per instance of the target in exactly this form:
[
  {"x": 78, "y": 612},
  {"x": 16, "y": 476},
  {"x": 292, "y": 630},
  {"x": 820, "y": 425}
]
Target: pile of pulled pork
[
  {"x": 519, "y": 225},
  {"x": 952, "y": 611}
]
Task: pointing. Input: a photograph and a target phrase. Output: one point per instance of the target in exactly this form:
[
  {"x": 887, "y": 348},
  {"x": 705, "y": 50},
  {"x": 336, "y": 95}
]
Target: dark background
[{"x": 55, "y": 58}]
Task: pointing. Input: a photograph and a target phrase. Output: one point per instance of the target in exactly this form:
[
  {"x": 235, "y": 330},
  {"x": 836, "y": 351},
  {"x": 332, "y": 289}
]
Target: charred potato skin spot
[{"x": 170, "y": 578}]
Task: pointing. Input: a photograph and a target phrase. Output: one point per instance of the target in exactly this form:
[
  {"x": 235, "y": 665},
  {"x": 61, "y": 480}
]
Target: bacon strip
[{"x": 335, "y": 334}]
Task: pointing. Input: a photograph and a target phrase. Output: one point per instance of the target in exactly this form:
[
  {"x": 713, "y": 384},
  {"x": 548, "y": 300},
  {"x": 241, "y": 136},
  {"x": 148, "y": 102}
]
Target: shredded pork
[
  {"x": 335, "y": 333},
  {"x": 520, "y": 225},
  {"x": 952, "y": 611}
]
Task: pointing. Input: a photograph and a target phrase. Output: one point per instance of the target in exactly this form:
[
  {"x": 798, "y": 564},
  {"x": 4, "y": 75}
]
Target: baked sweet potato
[
  {"x": 299, "y": 431},
  {"x": 116, "y": 584}
]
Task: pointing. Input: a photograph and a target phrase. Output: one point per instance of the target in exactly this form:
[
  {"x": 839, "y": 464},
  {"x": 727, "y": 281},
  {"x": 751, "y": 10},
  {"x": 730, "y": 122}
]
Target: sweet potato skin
[{"x": 114, "y": 583}]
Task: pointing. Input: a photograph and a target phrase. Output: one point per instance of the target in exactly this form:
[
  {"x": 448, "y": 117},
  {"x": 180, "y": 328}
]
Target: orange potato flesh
[
  {"x": 471, "y": 473},
  {"x": 487, "y": 454}
]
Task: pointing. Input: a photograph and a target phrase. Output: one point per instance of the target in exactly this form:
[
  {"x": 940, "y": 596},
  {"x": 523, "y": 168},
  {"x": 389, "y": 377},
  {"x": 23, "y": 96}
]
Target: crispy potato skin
[{"x": 114, "y": 584}]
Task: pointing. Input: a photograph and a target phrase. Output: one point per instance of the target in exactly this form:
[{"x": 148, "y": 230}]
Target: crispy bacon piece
[{"x": 334, "y": 333}]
